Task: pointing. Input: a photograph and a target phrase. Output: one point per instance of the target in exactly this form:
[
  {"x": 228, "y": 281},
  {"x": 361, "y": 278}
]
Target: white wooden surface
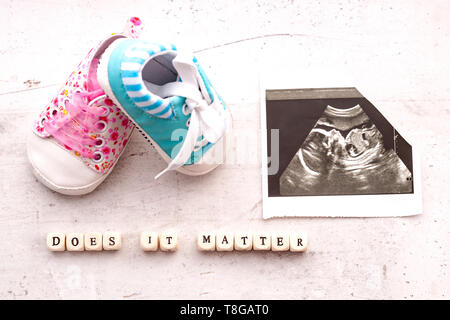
[{"x": 395, "y": 52}]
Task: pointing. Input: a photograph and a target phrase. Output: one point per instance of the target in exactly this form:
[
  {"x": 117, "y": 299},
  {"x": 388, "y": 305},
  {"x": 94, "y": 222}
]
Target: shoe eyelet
[
  {"x": 101, "y": 126},
  {"x": 185, "y": 109},
  {"x": 41, "y": 122},
  {"x": 97, "y": 157},
  {"x": 65, "y": 102},
  {"x": 53, "y": 112},
  {"x": 99, "y": 142},
  {"x": 188, "y": 122},
  {"x": 106, "y": 111},
  {"x": 79, "y": 91}
]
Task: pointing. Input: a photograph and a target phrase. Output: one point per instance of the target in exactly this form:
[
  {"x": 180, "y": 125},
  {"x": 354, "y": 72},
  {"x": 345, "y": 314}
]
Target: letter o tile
[{"x": 75, "y": 242}]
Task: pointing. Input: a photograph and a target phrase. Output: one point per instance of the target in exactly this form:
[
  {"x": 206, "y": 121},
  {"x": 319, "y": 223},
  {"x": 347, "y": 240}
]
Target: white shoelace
[{"x": 205, "y": 120}]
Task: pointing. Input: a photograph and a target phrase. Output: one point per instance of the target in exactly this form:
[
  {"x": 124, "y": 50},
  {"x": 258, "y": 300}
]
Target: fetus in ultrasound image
[{"x": 344, "y": 154}]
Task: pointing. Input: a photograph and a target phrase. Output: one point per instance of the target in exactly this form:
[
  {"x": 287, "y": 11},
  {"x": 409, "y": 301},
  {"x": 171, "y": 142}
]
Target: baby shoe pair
[{"x": 123, "y": 83}]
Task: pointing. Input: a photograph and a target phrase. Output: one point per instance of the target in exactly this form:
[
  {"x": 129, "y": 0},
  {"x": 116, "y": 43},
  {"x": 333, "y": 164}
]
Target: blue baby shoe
[{"x": 167, "y": 95}]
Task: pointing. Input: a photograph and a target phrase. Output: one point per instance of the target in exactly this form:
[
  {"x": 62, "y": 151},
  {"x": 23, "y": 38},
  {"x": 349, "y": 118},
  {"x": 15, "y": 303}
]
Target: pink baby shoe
[{"x": 80, "y": 135}]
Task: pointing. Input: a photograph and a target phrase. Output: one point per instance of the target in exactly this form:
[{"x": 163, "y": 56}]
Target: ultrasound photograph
[{"x": 335, "y": 142}]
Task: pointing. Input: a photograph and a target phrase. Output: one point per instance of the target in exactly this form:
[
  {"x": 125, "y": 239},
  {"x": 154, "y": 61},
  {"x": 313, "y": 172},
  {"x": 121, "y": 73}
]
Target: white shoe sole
[
  {"x": 70, "y": 191},
  {"x": 78, "y": 191}
]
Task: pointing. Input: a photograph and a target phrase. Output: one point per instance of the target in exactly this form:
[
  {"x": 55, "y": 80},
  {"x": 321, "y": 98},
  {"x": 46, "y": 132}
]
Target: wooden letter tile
[
  {"x": 93, "y": 241},
  {"x": 56, "y": 241},
  {"x": 299, "y": 241},
  {"x": 243, "y": 241},
  {"x": 75, "y": 242},
  {"x": 280, "y": 242},
  {"x": 262, "y": 242},
  {"x": 168, "y": 241},
  {"x": 206, "y": 241},
  {"x": 112, "y": 240},
  {"x": 149, "y": 241},
  {"x": 224, "y": 242}
]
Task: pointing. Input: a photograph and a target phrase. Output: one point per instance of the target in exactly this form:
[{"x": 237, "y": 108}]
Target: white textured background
[{"x": 395, "y": 52}]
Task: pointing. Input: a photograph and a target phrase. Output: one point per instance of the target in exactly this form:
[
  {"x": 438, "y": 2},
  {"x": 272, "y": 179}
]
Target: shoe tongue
[
  {"x": 185, "y": 68},
  {"x": 189, "y": 76}
]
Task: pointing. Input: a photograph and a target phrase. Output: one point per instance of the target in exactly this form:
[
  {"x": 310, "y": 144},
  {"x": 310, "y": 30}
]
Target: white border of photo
[{"x": 383, "y": 205}]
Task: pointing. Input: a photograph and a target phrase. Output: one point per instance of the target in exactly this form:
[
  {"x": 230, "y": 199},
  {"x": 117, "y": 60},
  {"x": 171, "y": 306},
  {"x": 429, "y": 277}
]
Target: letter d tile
[{"x": 56, "y": 241}]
